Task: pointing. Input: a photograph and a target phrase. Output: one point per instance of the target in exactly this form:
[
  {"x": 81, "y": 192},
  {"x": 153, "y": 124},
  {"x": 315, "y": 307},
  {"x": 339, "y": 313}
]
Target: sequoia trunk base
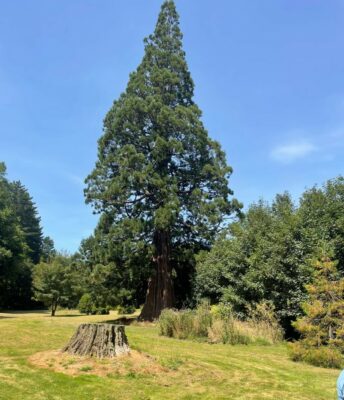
[
  {"x": 160, "y": 292},
  {"x": 98, "y": 340}
]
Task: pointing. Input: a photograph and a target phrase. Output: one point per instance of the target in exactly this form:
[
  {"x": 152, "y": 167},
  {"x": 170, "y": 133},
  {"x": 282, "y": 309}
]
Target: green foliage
[
  {"x": 264, "y": 257},
  {"x": 100, "y": 310},
  {"x": 53, "y": 282},
  {"x": 157, "y": 168},
  {"x": 130, "y": 309},
  {"x": 29, "y": 220},
  {"x": 322, "y": 219},
  {"x": 322, "y": 327},
  {"x": 16, "y": 255},
  {"x": 112, "y": 268},
  {"x": 261, "y": 259},
  {"x": 85, "y": 304},
  {"x": 48, "y": 249}
]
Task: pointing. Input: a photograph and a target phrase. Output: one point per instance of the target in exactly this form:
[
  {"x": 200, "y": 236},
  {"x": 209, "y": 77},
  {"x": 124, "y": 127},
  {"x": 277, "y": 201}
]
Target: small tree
[
  {"x": 322, "y": 327},
  {"x": 52, "y": 282}
]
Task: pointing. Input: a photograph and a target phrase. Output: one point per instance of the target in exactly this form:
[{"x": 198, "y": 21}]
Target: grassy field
[{"x": 190, "y": 370}]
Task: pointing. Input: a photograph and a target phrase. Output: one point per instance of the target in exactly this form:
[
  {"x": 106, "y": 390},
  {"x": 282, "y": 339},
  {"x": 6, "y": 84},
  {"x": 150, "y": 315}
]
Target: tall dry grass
[{"x": 219, "y": 325}]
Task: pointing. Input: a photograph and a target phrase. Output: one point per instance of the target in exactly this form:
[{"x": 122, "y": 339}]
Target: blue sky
[{"x": 269, "y": 78}]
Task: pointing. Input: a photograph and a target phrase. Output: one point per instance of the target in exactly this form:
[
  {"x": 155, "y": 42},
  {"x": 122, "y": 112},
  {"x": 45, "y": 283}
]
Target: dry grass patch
[{"x": 124, "y": 365}]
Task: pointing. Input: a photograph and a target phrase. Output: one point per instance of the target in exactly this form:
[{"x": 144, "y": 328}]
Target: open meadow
[{"x": 166, "y": 368}]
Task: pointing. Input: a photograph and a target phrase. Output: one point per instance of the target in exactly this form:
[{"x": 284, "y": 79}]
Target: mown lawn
[{"x": 194, "y": 370}]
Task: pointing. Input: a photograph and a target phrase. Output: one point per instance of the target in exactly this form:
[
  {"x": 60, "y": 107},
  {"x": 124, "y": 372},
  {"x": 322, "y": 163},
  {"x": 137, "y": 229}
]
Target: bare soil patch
[{"x": 132, "y": 363}]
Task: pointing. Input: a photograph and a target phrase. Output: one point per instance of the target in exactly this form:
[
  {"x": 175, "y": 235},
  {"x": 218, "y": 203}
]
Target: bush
[
  {"x": 100, "y": 310},
  {"x": 126, "y": 309},
  {"x": 85, "y": 304},
  {"x": 323, "y": 356}
]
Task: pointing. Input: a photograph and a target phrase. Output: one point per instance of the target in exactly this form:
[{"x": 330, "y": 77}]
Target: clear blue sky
[{"x": 269, "y": 78}]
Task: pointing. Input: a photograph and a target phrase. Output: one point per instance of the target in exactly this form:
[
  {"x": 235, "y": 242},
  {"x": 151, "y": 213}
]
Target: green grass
[{"x": 194, "y": 370}]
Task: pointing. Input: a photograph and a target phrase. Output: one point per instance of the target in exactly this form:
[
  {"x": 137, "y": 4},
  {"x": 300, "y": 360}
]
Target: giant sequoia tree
[{"x": 158, "y": 173}]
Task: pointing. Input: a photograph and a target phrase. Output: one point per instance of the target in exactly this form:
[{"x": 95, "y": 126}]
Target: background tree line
[
  {"x": 263, "y": 256},
  {"x": 22, "y": 244}
]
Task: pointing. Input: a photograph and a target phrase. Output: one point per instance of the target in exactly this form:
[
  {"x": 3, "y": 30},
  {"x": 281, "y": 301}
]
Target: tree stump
[{"x": 98, "y": 340}]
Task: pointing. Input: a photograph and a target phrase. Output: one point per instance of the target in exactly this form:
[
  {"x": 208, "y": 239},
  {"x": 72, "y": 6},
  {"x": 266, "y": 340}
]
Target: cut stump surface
[{"x": 98, "y": 340}]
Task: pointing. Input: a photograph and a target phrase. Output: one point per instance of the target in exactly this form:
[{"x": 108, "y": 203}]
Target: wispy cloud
[
  {"x": 77, "y": 180},
  {"x": 295, "y": 150}
]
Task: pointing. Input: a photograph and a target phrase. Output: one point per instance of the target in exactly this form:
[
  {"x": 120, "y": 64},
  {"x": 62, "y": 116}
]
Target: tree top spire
[{"x": 167, "y": 32}]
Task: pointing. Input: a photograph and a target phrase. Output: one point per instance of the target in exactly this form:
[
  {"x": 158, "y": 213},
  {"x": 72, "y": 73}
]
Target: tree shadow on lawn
[
  {"x": 121, "y": 321},
  {"x": 67, "y": 315}
]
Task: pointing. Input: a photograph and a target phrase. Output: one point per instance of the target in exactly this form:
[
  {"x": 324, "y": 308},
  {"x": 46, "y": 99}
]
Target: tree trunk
[
  {"x": 98, "y": 340},
  {"x": 160, "y": 293},
  {"x": 53, "y": 309}
]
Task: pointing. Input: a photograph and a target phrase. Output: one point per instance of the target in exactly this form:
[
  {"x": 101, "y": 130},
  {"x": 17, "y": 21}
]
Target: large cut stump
[{"x": 98, "y": 340}]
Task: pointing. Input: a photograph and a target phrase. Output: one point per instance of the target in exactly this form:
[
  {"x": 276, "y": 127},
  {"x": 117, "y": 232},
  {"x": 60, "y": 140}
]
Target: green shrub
[
  {"x": 100, "y": 310},
  {"x": 85, "y": 304},
  {"x": 126, "y": 309},
  {"x": 323, "y": 356}
]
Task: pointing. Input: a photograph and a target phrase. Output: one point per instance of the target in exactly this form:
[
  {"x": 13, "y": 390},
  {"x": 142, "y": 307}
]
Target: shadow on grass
[
  {"x": 67, "y": 315},
  {"x": 121, "y": 321}
]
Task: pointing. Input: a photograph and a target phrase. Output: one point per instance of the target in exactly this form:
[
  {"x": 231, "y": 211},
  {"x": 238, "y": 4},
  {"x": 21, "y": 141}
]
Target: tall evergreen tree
[
  {"x": 158, "y": 172},
  {"x": 29, "y": 219},
  {"x": 15, "y": 274},
  {"x": 48, "y": 251}
]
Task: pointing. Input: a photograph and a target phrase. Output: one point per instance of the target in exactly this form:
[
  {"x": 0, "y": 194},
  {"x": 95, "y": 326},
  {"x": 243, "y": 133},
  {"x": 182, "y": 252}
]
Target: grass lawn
[{"x": 191, "y": 370}]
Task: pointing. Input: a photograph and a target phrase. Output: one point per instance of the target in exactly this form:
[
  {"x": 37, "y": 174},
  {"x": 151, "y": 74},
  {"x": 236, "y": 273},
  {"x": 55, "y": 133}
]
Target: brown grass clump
[{"x": 133, "y": 363}]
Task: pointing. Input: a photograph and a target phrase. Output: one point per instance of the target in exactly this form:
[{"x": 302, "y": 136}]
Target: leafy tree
[
  {"x": 26, "y": 211},
  {"x": 53, "y": 282},
  {"x": 321, "y": 215},
  {"x": 158, "y": 173},
  {"x": 261, "y": 259},
  {"x": 112, "y": 270},
  {"x": 323, "y": 323}
]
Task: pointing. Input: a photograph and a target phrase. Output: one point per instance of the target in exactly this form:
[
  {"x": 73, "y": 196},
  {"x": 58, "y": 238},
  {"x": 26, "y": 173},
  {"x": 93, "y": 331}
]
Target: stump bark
[{"x": 98, "y": 340}]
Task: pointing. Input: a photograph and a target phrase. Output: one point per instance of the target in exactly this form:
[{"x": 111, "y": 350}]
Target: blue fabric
[{"x": 340, "y": 386}]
